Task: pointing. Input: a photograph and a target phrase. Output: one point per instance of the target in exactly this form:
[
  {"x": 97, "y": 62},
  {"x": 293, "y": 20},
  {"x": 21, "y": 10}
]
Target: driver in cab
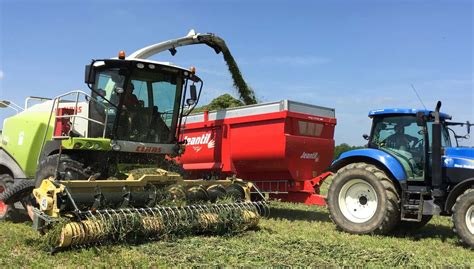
[
  {"x": 400, "y": 140},
  {"x": 130, "y": 99}
]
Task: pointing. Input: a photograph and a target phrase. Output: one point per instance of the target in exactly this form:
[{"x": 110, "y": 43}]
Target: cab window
[{"x": 445, "y": 138}]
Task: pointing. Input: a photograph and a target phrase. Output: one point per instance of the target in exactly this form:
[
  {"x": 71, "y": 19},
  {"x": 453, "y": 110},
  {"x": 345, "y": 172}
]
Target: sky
[{"x": 353, "y": 56}]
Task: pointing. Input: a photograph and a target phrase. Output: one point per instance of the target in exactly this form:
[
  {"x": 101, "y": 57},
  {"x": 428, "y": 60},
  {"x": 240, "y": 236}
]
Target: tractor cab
[{"x": 400, "y": 133}]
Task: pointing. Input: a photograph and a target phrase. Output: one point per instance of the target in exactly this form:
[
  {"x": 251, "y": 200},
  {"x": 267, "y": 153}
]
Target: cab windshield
[
  {"x": 445, "y": 138},
  {"x": 142, "y": 106}
]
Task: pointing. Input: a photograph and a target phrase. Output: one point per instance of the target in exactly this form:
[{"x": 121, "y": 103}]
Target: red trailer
[{"x": 282, "y": 147}]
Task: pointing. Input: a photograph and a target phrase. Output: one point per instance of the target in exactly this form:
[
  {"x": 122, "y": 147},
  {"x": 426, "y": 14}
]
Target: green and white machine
[{"x": 84, "y": 152}]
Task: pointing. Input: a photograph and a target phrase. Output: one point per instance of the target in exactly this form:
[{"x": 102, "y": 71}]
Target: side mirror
[
  {"x": 420, "y": 118},
  {"x": 89, "y": 76},
  {"x": 193, "y": 92},
  {"x": 366, "y": 136}
]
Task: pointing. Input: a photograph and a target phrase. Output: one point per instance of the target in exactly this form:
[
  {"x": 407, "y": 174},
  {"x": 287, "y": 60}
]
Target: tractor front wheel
[
  {"x": 363, "y": 200},
  {"x": 463, "y": 217}
]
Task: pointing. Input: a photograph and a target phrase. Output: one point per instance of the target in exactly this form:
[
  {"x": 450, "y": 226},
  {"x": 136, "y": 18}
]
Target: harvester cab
[
  {"x": 99, "y": 164},
  {"x": 131, "y": 116},
  {"x": 138, "y": 104},
  {"x": 410, "y": 171}
]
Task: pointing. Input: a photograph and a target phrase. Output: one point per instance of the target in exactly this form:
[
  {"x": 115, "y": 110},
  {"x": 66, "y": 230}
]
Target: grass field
[{"x": 295, "y": 234}]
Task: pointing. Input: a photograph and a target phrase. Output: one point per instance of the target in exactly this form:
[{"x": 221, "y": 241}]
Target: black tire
[
  {"x": 411, "y": 226},
  {"x": 464, "y": 205},
  {"x": 7, "y": 211},
  {"x": 376, "y": 192},
  {"x": 69, "y": 169},
  {"x": 20, "y": 189}
]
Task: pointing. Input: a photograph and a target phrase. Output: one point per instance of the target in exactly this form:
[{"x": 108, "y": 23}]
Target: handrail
[
  {"x": 10, "y": 104},
  {"x": 30, "y": 98},
  {"x": 77, "y": 96}
]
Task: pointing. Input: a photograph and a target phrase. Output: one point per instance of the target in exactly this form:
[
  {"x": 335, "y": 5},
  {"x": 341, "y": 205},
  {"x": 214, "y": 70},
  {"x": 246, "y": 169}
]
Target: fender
[
  {"x": 387, "y": 161},
  {"x": 456, "y": 191},
  {"x": 9, "y": 163},
  {"x": 49, "y": 148}
]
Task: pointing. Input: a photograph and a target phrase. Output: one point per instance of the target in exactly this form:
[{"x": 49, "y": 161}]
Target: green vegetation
[
  {"x": 220, "y": 102},
  {"x": 246, "y": 94},
  {"x": 341, "y": 148},
  {"x": 295, "y": 234}
]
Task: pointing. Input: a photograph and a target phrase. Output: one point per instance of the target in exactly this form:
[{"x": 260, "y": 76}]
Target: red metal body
[
  {"x": 282, "y": 150},
  {"x": 62, "y": 124},
  {"x": 3, "y": 206}
]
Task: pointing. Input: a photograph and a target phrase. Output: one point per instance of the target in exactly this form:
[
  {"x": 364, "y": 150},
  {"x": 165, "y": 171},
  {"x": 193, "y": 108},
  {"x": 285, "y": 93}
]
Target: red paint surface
[
  {"x": 264, "y": 147},
  {"x": 3, "y": 206},
  {"x": 62, "y": 126}
]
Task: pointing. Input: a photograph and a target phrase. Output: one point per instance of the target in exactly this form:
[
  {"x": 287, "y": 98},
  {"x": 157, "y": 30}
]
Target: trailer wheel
[
  {"x": 7, "y": 211},
  {"x": 362, "y": 200},
  {"x": 463, "y": 217},
  {"x": 69, "y": 168}
]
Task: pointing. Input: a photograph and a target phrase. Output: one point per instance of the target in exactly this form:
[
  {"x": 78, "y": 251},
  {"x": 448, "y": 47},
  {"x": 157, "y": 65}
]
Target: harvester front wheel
[
  {"x": 363, "y": 200},
  {"x": 69, "y": 168},
  {"x": 463, "y": 217},
  {"x": 7, "y": 211}
]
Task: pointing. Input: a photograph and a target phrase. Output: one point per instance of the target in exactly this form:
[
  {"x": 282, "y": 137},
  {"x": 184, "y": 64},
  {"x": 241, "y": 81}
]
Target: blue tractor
[{"x": 409, "y": 172}]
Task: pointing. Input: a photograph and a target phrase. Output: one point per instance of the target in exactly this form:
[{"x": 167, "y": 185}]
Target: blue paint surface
[
  {"x": 459, "y": 158},
  {"x": 408, "y": 111},
  {"x": 392, "y": 164}
]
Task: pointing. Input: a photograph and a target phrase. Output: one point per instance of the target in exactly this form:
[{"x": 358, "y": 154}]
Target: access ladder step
[{"x": 412, "y": 206}]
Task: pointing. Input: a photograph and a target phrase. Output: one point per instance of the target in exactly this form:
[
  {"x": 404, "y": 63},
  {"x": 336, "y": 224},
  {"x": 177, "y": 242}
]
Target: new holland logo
[
  {"x": 312, "y": 156},
  {"x": 204, "y": 139}
]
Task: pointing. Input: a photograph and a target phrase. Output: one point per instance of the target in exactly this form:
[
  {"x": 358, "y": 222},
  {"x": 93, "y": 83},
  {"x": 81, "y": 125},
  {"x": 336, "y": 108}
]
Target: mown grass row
[{"x": 294, "y": 235}]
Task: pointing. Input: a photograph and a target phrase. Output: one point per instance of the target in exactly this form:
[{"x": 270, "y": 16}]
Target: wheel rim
[
  {"x": 470, "y": 219},
  {"x": 3, "y": 206},
  {"x": 358, "y": 201}
]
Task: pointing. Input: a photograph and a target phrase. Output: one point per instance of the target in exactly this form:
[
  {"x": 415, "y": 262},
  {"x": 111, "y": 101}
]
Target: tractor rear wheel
[
  {"x": 7, "y": 211},
  {"x": 363, "y": 200},
  {"x": 463, "y": 217},
  {"x": 69, "y": 168}
]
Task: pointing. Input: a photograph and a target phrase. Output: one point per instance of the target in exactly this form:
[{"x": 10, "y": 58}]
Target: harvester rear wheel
[
  {"x": 7, "y": 211},
  {"x": 363, "y": 200},
  {"x": 69, "y": 168},
  {"x": 463, "y": 217}
]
